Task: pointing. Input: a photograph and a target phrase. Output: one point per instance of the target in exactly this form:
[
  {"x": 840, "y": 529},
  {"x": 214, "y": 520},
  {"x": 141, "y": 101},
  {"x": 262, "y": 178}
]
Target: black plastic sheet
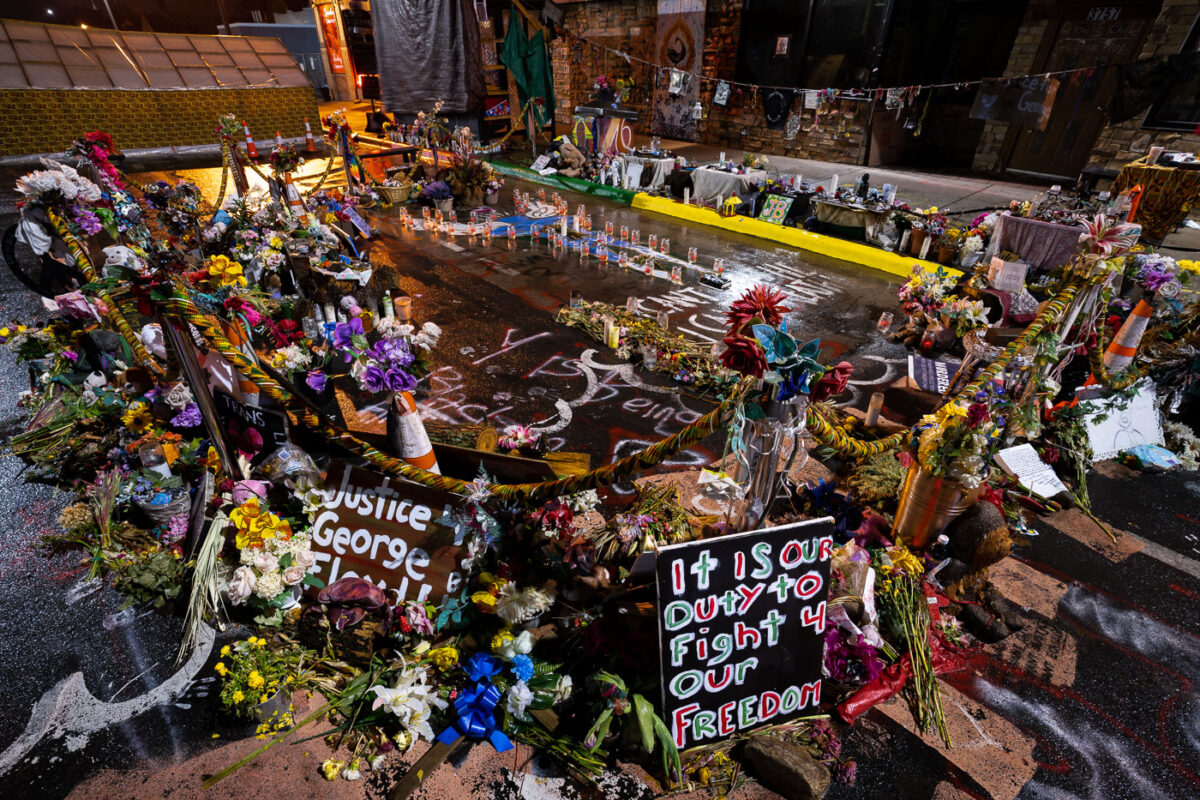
[{"x": 428, "y": 50}]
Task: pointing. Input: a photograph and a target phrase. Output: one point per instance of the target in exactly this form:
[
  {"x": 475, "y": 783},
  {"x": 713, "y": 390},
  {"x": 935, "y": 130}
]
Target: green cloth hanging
[{"x": 529, "y": 62}]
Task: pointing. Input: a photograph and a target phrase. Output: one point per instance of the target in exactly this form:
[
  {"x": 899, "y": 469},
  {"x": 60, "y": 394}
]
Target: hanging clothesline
[{"x": 859, "y": 93}]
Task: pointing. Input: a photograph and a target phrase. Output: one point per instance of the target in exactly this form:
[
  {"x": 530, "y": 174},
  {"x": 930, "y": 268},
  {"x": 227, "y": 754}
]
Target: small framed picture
[{"x": 781, "y": 45}]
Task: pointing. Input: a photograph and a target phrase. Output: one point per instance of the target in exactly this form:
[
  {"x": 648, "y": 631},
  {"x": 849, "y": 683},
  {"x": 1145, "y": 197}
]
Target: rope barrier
[{"x": 112, "y": 310}]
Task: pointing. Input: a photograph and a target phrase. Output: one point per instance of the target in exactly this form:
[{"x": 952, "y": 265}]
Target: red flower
[
  {"x": 742, "y": 354},
  {"x": 239, "y": 306},
  {"x": 761, "y": 302},
  {"x": 977, "y": 414}
]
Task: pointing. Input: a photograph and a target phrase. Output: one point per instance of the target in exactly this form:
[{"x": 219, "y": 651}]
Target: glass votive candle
[
  {"x": 623, "y": 259},
  {"x": 154, "y": 459},
  {"x": 676, "y": 273},
  {"x": 885, "y": 322},
  {"x": 649, "y": 355},
  {"x": 512, "y": 233},
  {"x": 587, "y": 223},
  {"x": 692, "y": 256},
  {"x": 652, "y": 241},
  {"x": 719, "y": 266},
  {"x": 608, "y": 227},
  {"x": 665, "y": 248},
  {"x": 631, "y": 304},
  {"x": 576, "y": 298},
  {"x": 635, "y": 237},
  {"x": 624, "y": 233},
  {"x": 648, "y": 268},
  {"x": 663, "y": 319}
]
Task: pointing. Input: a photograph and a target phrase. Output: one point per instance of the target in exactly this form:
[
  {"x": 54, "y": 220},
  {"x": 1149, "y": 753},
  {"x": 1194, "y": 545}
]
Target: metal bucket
[{"x": 928, "y": 504}]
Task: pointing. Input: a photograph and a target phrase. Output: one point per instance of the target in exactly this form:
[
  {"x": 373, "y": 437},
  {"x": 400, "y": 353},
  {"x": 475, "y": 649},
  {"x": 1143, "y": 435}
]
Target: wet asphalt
[{"x": 1128, "y": 726}]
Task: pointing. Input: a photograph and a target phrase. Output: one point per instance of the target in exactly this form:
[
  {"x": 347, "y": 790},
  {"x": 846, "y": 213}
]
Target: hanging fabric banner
[{"x": 679, "y": 43}]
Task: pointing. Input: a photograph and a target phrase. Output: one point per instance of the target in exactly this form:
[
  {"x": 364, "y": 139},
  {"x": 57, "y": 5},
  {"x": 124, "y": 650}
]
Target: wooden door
[{"x": 1086, "y": 36}]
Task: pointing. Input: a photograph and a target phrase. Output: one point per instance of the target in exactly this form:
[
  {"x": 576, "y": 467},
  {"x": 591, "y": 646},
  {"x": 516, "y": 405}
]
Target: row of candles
[{"x": 558, "y": 234}]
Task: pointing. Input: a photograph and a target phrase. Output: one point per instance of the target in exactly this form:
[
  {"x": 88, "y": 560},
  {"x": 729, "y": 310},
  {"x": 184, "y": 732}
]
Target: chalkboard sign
[
  {"x": 250, "y": 429},
  {"x": 741, "y": 623},
  {"x": 1025, "y": 101}
]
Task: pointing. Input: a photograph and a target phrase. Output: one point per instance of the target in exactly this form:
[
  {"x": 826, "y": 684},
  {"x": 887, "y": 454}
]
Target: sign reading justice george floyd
[
  {"x": 741, "y": 629},
  {"x": 386, "y": 532}
]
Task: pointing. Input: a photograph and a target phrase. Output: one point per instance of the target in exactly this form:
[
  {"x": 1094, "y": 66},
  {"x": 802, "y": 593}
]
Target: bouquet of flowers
[
  {"x": 925, "y": 292},
  {"x": 758, "y": 346},
  {"x": 273, "y": 562},
  {"x": 436, "y": 191},
  {"x": 958, "y": 440},
  {"x": 251, "y": 674},
  {"x": 284, "y": 158},
  {"x": 393, "y": 363},
  {"x": 601, "y": 84},
  {"x": 962, "y": 315}
]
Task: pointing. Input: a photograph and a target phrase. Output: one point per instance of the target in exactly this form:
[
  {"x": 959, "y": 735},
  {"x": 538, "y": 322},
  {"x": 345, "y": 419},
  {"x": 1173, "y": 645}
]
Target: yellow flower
[
  {"x": 137, "y": 418},
  {"x": 220, "y": 669},
  {"x": 254, "y": 526},
  {"x": 500, "y": 639},
  {"x": 444, "y": 657},
  {"x": 263, "y": 699},
  {"x": 903, "y": 559},
  {"x": 276, "y": 243},
  {"x": 255, "y": 680},
  {"x": 952, "y": 410},
  {"x": 238, "y": 696},
  {"x": 225, "y": 650},
  {"x": 226, "y": 272},
  {"x": 261, "y": 643},
  {"x": 485, "y": 600},
  {"x": 252, "y": 639},
  {"x": 331, "y": 768}
]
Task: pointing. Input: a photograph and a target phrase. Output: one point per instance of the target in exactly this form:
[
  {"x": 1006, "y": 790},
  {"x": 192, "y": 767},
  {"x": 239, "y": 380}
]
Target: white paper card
[
  {"x": 540, "y": 163},
  {"x": 1023, "y": 463},
  {"x": 1007, "y": 276},
  {"x": 1117, "y": 423}
]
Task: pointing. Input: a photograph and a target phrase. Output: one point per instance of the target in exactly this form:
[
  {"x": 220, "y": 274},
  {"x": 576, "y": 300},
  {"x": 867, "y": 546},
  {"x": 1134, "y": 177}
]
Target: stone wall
[
  {"x": 1119, "y": 144},
  {"x": 629, "y": 26},
  {"x": 48, "y": 120}
]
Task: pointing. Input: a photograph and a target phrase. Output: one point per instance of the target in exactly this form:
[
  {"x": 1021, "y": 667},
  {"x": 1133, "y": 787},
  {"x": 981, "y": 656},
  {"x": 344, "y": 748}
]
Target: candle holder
[
  {"x": 665, "y": 247},
  {"x": 676, "y": 274},
  {"x": 635, "y": 237},
  {"x": 608, "y": 227},
  {"x": 692, "y": 256},
  {"x": 719, "y": 266},
  {"x": 624, "y": 233},
  {"x": 623, "y": 259},
  {"x": 652, "y": 241},
  {"x": 885, "y": 322}
]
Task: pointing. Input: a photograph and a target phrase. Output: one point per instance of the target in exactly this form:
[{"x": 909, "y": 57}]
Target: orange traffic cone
[
  {"x": 293, "y": 199},
  {"x": 1123, "y": 348},
  {"x": 309, "y": 145},
  {"x": 406, "y": 433},
  {"x": 251, "y": 149}
]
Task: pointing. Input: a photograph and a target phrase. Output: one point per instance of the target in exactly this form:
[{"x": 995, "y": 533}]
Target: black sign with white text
[
  {"x": 741, "y": 623},
  {"x": 250, "y": 429}
]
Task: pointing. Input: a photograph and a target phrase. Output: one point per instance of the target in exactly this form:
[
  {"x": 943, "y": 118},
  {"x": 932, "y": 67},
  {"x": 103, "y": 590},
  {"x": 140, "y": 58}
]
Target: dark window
[{"x": 1179, "y": 109}]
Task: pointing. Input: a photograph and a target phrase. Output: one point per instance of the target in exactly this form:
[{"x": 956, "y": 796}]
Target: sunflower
[{"x": 137, "y": 419}]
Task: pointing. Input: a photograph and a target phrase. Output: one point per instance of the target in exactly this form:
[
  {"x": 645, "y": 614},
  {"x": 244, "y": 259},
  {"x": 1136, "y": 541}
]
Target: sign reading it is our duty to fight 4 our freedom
[
  {"x": 386, "y": 531},
  {"x": 741, "y": 623}
]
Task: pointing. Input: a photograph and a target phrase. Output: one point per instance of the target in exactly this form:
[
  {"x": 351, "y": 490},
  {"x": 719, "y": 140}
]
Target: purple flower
[
  {"x": 87, "y": 220},
  {"x": 373, "y": 379},
  {"x": 1152, "y": 277},
  {"x": 315, "y": 380},
  {"x": 189, "y": 417},
  {"x": 399, "y": 381},
  {"x": 344, "y": 332},
  {"x": 392, "y": 353}
]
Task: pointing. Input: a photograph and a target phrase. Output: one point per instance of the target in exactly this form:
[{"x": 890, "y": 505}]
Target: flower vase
[
  {"x": 474, "y": 198},
  {"x": 492, "y": 198},
  {"x": 945, "y": 253},
  {"x": 275, "y": 708},
  {"x": 445, "y": 206},
  {"x": 928, "y": 504},
  {"x": 917, "y": 240},
  {"x": 757, "y": 468}
]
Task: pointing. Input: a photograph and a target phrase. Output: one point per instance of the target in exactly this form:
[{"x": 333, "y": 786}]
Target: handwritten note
[{"x": 1024, "y": 464}]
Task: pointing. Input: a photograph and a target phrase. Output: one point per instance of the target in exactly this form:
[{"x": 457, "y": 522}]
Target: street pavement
[{"x": 1095, "y": 699}]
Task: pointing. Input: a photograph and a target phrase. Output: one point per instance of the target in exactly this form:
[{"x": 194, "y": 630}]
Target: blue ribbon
[{"x": 477, "y": 717}]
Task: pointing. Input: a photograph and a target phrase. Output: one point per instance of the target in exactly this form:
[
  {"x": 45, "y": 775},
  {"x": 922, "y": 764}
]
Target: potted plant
[
  {"x": 256, "y": 681},
  {"x": 947, "y": 469},
  {"x": 948, "y": 244},
  {"x": 491, "y": 190},
  {"x": 918, "y": 237},
  {"x": 438, "y": 195}
]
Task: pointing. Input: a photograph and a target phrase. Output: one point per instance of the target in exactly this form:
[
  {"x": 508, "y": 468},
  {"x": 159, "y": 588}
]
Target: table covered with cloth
[
  {"x": 654, "y": 170},
  {"x": 708, "y": 183},
  {"x": 1168, "y": 193},
  {"x": 851, "y": 221},
  {"x": 1043, "y": 245}
]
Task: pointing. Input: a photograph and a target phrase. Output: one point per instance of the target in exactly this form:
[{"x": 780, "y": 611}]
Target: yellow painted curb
[{"x": 854, "y": 252}]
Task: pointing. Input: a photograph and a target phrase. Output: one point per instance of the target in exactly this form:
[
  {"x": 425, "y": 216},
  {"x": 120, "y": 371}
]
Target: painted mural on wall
[{"x": 679, "y": 44}]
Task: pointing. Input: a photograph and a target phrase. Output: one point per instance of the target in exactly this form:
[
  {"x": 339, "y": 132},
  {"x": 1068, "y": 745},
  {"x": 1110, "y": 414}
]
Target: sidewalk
[{"x": 919, "y": 189}]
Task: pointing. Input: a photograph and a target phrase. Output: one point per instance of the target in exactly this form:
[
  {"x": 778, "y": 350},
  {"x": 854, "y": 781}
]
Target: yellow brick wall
[{"x": 48, "y": 120}]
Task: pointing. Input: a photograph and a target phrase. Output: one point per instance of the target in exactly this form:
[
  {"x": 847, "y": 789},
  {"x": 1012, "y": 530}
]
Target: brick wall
[
  {"x": 1119, "y": 144},
  {"x": 48, "y": 120},
  {"x": 629, "y": 26},
  {"x": 1020, "y": 62}
]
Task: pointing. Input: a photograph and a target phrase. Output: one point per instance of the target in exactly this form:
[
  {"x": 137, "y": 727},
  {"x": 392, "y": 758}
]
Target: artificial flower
[
  {"x": 137, "y": 418},
  {"x": 511, "y": 647},
  {"x": 241, "y": 585},
  {"x": 518, "y": 605},
  {"x": 760, "y": 303},
  {"x": 743, "y": 354},
  {"x": 519, "y": 698},
  {"x": 444, "y": 657},
  {"x": 331, "y": 768},
  {"x": 225, "y": 272},
  {"x": 410, "y": 699}
]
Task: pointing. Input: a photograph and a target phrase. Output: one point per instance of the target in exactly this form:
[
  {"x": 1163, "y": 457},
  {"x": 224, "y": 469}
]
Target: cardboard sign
[
  {"x": 1118, "y": 423},
  {"x": 240, "y": 422},
  {"x": 741, "y": 622},
  {"x": 372, "y": 527},
  {"x": 1023, "y": 463},
  {"x": 1007, "y": 276},
  {"x": 1025, "y": 101},
  {"x": 776, "y": 208},
  {"x": 931, "y": 374}
]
